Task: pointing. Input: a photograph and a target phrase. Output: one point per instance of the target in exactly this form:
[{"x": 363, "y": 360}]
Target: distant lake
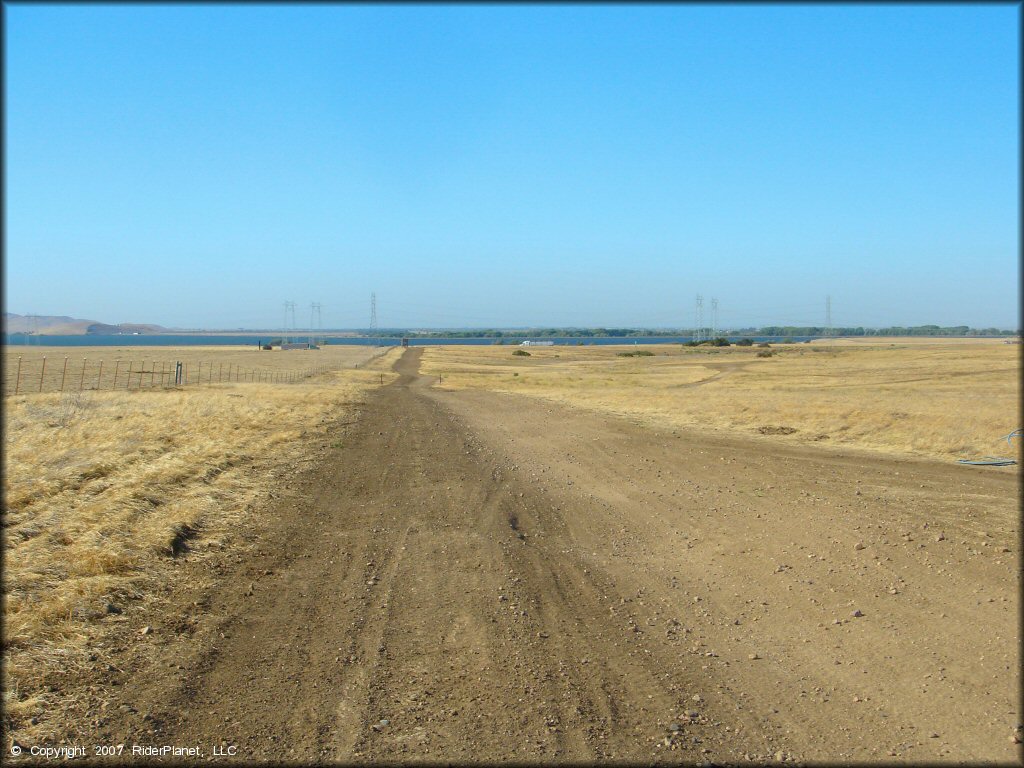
[{"x": 187, "y": 340}]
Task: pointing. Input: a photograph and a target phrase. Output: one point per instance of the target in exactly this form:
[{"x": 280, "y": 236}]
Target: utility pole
[
  {"x": 714, "y": 318},
  {"x": 698, "y": 333}
]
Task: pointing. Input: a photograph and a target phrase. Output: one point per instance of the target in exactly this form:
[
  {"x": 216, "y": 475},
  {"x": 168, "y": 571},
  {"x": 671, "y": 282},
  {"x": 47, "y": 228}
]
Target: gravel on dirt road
[{"x": 474, "y": 577}]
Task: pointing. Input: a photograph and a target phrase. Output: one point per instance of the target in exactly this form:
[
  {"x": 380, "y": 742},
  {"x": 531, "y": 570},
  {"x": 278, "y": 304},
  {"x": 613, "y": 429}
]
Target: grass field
[
  {"x": 939, "y": 398},
  {"x": 105, "y": 368},
  {"x": 103, "y": 488}
]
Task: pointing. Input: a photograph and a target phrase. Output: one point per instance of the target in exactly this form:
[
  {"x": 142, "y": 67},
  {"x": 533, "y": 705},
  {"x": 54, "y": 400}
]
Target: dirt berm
[{"x": 472, "y": 577}]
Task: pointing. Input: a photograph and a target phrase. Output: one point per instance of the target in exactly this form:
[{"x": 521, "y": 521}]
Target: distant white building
[{"x": 529, "y": 343}]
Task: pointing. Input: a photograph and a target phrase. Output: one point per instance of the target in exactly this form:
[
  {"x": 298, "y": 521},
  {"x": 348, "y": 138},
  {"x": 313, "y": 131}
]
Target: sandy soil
[{"x": 470, "y": 576}]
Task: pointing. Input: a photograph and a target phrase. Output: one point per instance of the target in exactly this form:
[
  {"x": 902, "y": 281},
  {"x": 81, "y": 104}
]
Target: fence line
[{"x": 36, "y": 376}]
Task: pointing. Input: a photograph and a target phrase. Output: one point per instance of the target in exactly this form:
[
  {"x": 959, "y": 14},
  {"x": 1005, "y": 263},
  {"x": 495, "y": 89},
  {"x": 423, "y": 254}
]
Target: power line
[
  {"x": 289, "y": 311},
  {"x": 314, "y": 323}
]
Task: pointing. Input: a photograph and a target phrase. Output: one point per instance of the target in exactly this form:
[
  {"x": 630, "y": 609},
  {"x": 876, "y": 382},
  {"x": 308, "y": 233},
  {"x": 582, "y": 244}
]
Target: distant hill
[{"x": 60, "y": 325}]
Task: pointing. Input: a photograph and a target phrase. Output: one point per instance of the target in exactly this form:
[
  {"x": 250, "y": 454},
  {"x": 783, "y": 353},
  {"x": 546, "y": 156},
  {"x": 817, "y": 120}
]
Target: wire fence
[{"x": 66, "y": 374}]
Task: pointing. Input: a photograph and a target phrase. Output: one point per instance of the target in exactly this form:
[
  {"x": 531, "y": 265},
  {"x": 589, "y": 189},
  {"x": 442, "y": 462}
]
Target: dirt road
[{"x": 479, "y": 577}]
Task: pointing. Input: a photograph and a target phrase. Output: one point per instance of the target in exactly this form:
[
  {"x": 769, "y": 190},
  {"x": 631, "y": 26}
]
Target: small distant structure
[
  {"x": 294, "y": 345},
  {"x": 529, "y": 343},
  {"x": 405, "y": 342}
]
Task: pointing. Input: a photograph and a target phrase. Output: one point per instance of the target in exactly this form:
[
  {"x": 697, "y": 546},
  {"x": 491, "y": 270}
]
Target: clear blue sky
[{"x": 196, "y": 166}]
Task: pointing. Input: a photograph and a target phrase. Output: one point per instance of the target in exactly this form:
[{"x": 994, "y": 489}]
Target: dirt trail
[{"x": 477, "y": 577}]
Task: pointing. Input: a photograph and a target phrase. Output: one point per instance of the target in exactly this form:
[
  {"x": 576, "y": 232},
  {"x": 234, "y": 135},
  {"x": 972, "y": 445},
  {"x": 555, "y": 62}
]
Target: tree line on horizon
[{"x": 770, "y": 330}]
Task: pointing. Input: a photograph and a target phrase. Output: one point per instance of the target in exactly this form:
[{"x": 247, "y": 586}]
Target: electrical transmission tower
[
  {"x": 373, "y": 312},
  {"x": 289, "y": 313},
  {"x": 714, "y": 318},
  {"x": 314, "y": 323},
  {"x": 698, "y": 333}
]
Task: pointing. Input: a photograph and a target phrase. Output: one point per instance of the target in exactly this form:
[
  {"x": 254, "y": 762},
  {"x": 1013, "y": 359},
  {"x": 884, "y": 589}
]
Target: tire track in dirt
[
  {"x": 471, "y": 577},
  {"x": 419, "y": 603},
  {"x": 829, "y": 597}
]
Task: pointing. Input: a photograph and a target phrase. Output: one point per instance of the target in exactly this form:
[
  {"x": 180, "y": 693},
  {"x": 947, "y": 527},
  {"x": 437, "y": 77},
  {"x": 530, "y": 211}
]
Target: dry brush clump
[
  {"x": 942, "y": 400},
  {"x": 104, "y": 489}
]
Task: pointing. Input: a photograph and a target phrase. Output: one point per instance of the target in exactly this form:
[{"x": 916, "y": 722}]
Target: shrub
[
  {"x": 637, "y": 353},
  {"x": 745, "y": 343},
  {"x": 521, "y": 353},
  {"x": 719, "y": 342},
  {"x": 765, "y": 353}
]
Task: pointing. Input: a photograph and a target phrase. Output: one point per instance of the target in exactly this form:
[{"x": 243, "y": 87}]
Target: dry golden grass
[
  {"x": 102, "y": 487},
  {"x": 931, "y": 398},
  {"x": 148, "y": 367}
]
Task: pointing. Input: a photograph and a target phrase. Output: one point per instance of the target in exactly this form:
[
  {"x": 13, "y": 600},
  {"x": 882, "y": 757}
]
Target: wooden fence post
[
  {"x": 129, "y": 384},
  {"x": 99, "y": 376},
  {"x": 152, "y": 373},
  {"x": 17, "y": 381},
  {"x": 81, "y": 381},
  {"x": 64, "y": 374},
  {"x": 117, "y": 366},
  {"x": 220, "y": 373},
  {"x": 42, "y": 373}
]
